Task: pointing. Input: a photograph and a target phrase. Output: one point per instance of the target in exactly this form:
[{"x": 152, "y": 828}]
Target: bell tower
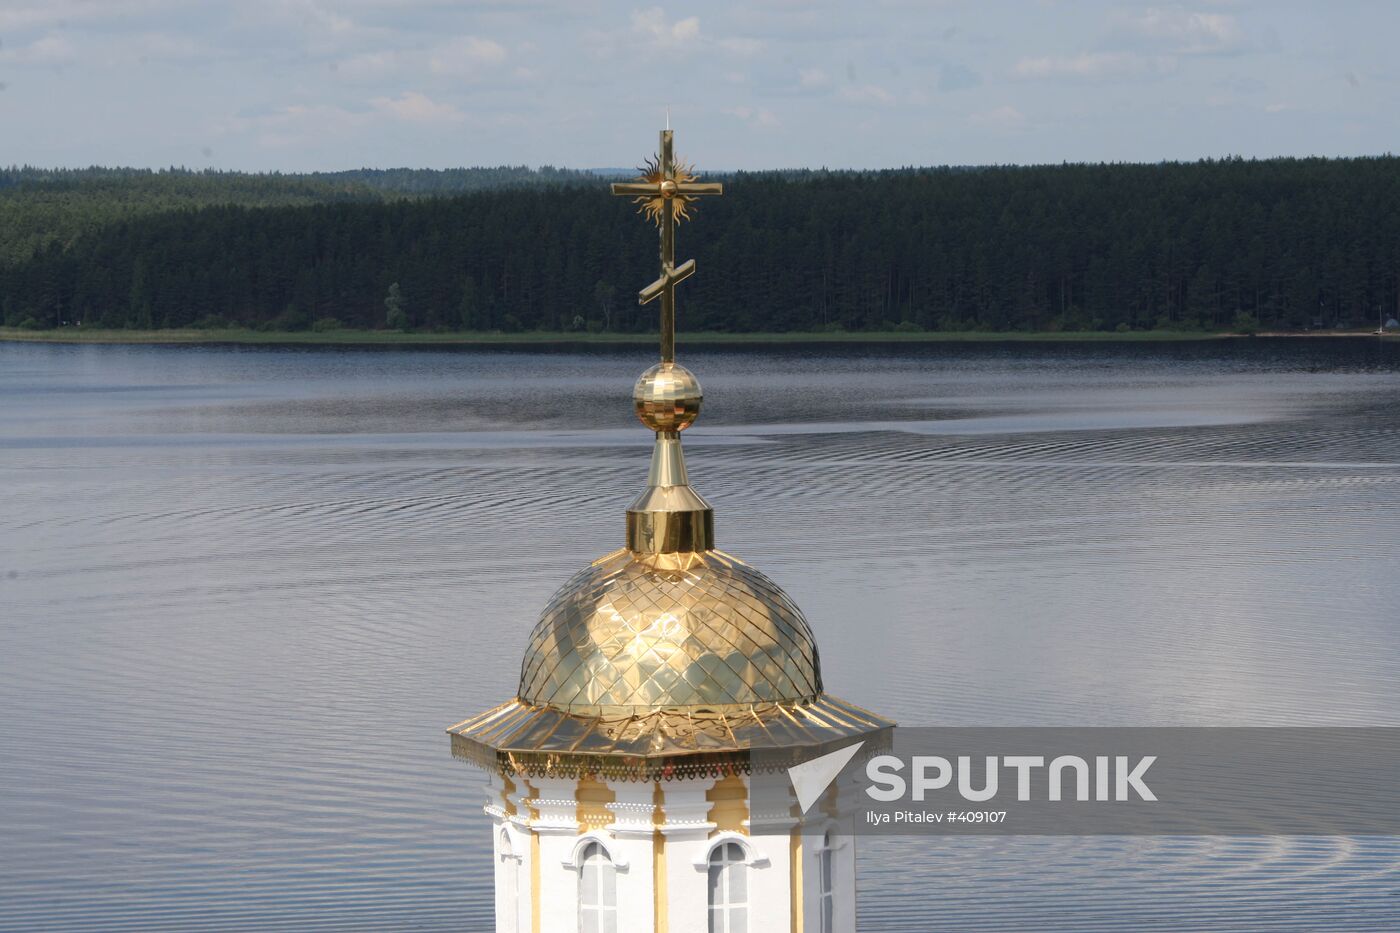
[{"x": 656, "y": 681}]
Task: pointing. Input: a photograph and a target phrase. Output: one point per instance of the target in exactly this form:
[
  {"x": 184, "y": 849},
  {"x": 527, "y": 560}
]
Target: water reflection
[{"x": 243, "y": 590}]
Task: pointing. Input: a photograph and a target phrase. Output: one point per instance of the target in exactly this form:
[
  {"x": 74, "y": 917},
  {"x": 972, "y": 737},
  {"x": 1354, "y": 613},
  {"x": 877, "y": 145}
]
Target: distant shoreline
[{"x": 394, "y": 338}]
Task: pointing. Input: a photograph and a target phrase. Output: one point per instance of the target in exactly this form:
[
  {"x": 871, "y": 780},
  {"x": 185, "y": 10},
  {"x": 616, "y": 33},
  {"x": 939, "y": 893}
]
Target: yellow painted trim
[
  {"x": 508, "y": 790},
  {"x": 592, "y": 797},
  {"x": 795, "y": 874},
  {"x": 729, "y": 805},
  {"x": 535, "y": 913},
  {"x": 661, "y": 922},
  {"x": 535, "y": 920}
]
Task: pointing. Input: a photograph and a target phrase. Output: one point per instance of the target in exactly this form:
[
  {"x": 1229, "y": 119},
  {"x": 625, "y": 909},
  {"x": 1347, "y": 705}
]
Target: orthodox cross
[{"x": 664, "y": 191}]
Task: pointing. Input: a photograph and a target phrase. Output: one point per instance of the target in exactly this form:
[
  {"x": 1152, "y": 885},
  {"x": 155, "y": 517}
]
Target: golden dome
[
  {"x": 659, "y": 631},
  {"x": 667, "y": 658}
]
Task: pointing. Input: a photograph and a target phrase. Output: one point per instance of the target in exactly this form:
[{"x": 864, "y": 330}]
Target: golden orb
[
  {"x": 668, "y": 188},
  {"x": 667, "y": 397}
]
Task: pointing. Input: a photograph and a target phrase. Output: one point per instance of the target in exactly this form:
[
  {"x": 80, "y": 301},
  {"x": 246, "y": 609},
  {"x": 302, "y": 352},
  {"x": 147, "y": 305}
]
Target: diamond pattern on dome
[{"x": 653, "y": 631}]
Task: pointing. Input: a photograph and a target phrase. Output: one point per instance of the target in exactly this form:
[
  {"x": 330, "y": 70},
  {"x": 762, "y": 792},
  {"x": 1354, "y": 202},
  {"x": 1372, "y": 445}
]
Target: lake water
[{"x": 243, "y": 591}]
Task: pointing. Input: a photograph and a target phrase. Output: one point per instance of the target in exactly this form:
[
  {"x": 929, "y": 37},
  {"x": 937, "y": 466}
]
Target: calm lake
[{"x": 244, "y": 590}]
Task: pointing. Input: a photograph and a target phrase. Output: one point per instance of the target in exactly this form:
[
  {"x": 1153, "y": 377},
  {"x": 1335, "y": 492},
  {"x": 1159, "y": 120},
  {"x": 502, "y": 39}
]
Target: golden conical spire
[{"x": 668, "y": 517}]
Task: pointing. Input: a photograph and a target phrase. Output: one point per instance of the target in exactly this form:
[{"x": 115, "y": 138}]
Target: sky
[{"x": 299, "y": 85}]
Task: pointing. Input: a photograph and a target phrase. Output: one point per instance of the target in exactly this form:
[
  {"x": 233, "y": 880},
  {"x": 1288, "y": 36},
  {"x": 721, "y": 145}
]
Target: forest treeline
[
  {"x": 1228, "y": 244},
  {"x": 42, "y": 206}
]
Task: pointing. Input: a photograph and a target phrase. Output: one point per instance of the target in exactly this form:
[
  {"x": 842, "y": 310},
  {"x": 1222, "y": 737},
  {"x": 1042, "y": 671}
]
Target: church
[{"x": 658, "y": 681}]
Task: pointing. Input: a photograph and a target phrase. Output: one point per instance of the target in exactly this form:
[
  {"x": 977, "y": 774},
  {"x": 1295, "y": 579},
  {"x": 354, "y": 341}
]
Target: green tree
[
  {"x": 1244, "y": 323},
  {"x": 396, "y": 317},
  {"x": 468, "y": 310},
  {"x": 1025, "y": 248},
  {"x": 603, "y": 294},
  {"x": 139, "y": 304}
]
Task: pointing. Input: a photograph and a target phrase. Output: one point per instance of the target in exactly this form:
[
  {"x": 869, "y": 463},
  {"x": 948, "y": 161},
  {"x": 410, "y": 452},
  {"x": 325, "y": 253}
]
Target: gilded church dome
[
  {"x": 638, "y": 631},
  {"x": 668, "y": 657}
]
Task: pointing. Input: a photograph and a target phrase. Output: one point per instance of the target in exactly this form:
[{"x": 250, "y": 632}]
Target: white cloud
[
  {"x": 318, "y": 15},
  {"x": 397, "y": 80},
  {"x": 167, "y": 47},
  {"x": 1096, "y": 65},
  {"x": 459, "y": 58},
  {"x": 1144, "y": 44},
  {"x": 19, "y": 14},
  {"x": 740, "y": 46},
  {"x": 1004, "y": 117},
  {"x": 299, "y": 125},
  {"x": 50, "y": 50},
  {"x": 754, "y": 116},
  {"x": 369, "y": 66},
  {"x": 417, "y": 108},
  {"x": 655, "y": 35},
  {"x": 652, "y": 24},
  {"x": 466, "y": 55},
  {"x": 462, "y": 57},
  {"x": 868, "y": 94},
  {"x": 294, "y": 125},
  {"x": 1182, "y": 31},
  {"x": 319, "y": 28}
]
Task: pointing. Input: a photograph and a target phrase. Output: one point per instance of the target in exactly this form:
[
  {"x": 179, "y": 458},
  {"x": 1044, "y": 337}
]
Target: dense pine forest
[
  {"x": 1221, "y": 245},
  {"x": 43, "y": 206}
]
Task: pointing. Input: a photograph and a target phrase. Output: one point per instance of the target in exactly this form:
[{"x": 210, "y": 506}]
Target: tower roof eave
[{"x": 646, "y": 744}]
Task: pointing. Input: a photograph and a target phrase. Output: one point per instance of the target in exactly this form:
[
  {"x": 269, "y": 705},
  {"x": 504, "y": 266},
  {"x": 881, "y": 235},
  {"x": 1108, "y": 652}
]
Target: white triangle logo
[{"x": 811, "y": 778}]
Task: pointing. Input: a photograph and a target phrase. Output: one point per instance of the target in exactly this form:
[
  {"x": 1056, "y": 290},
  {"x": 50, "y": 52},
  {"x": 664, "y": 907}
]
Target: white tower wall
[{"x": 659, "y": 837}]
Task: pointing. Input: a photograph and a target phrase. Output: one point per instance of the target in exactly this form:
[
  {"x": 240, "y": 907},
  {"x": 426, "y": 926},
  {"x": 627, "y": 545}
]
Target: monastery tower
[{"x": 655, "y": 685}]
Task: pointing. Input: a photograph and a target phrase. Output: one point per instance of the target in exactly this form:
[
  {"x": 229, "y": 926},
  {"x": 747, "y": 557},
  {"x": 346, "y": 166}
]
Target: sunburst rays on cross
[
  {"x": 682, "y": 175},
  {"x": 664, "y": 193}
]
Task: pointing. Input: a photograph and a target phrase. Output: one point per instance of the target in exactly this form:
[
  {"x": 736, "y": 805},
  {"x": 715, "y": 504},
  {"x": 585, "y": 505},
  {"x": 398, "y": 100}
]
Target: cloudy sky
[{"x": 330, "y": 84}]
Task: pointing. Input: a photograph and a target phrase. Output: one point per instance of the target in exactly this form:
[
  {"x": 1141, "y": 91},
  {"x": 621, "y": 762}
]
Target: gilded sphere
[{"x": 667, "y": 397}]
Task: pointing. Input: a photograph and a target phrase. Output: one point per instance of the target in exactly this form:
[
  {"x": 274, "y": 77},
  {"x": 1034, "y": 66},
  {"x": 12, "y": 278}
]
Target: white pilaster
[
  {"x": 686, "y": 831},
  {"x": 633, "y": 832}
]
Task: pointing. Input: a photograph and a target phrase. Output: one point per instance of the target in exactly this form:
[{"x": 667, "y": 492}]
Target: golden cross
[{"x": 664, "y": 191}]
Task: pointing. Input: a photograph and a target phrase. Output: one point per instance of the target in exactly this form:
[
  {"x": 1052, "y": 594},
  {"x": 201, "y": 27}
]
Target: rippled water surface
[{"x": 243, "y": 591}]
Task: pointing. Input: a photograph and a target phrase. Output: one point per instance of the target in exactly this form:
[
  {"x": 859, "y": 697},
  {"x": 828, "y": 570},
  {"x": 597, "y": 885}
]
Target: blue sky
[{"x": 330, "y": 84}]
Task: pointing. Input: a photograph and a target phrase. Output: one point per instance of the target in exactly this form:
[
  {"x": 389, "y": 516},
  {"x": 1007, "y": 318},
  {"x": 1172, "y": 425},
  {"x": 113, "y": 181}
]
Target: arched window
[
  {"x": 729, "y": 890},
  {"x": 827, "y": 887},
  {"x": 597, "y": 891}
]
